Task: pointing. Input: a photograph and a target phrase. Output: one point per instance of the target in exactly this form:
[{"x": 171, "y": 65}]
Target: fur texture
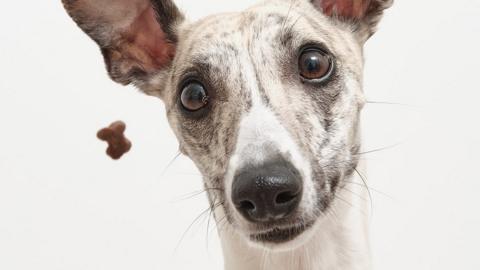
[{"x": 258, "y": 107}]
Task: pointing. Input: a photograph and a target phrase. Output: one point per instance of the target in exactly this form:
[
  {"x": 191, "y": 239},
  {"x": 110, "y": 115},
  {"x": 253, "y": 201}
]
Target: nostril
[
  {"x": 285, "y": 197},
  {"x": 267, "y": 192},
  {"x": 247, "y": 205}
]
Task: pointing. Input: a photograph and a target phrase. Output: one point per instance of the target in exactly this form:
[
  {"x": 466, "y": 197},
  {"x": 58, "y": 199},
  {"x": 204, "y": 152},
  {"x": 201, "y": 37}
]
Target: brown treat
[{"x": 118, "y": 144}]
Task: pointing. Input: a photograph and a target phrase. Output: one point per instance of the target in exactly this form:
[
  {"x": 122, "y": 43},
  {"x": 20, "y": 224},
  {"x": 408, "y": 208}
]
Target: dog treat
[{"x": 118, "y": 144}]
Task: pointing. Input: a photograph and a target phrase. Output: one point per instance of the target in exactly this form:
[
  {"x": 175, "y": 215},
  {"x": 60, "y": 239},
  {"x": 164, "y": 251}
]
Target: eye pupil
[
  {"x": 314, "y": 64},
  {"x": 194, "y": 97}
]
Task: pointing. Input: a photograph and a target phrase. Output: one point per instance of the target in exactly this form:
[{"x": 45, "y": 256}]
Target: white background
[{"x": 65, "y": 205}]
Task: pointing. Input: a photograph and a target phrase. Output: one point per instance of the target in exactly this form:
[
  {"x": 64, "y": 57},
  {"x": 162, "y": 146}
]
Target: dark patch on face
[
  {"x": 334, "y": 172},
  {"x": 323, "y": 94},
  {"x": 209, "y": 137}
]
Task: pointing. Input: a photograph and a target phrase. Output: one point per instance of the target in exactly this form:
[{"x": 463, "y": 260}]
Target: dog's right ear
[{"x": 137, "y": 37}]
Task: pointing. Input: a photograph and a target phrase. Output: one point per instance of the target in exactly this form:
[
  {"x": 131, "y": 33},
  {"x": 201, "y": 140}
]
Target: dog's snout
[{"x": 269, "y": 192}]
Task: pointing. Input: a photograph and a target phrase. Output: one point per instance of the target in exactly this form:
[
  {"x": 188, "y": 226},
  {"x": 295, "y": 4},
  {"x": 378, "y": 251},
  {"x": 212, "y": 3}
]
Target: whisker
[
  {"x": 221, "y": 223},
  {"x": 349, "y": 203},
  {"x": 171, "y": 163},
  {"x": 192, "y": 174},
  {"x": 208, "y": 227},
  {"x": 190, "y": 195},
  {"x": 288, "y": 15},
  {"x": 332, "y": 215},
  {"x": 189, "y": 227},
  {"x": 388, "y": 103},
  {"x": 196, "y": 193},
  {"x": 379, "y": 149},
  {"x": 368, "y": 190},
  {"x": 208, "y": 221},
  {"x": 212, "y": 213},
  {"x": 353, "y": 193},
  {"x": 343, "y": 200}
]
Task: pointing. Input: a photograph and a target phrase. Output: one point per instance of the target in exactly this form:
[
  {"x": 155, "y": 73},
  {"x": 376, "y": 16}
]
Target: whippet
[{"x": 266, "y": 102}]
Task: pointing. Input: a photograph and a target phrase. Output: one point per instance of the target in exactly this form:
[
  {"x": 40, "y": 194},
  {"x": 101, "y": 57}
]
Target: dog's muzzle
[{"x": 267, "y": 193}]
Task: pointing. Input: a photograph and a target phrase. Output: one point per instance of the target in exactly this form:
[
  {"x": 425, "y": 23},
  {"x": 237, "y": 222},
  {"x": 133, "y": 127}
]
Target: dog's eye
[
  {"x": 194, "y": 96},
  {"x": 314, "y": 64}
]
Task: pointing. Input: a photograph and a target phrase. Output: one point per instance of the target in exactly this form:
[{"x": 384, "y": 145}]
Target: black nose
[{"x": 269, "y": 192}]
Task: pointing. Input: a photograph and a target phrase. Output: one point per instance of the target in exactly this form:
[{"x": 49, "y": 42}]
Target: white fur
[
  {"x": 261, "y": 132},
  {"x": 338, "y": 241}
]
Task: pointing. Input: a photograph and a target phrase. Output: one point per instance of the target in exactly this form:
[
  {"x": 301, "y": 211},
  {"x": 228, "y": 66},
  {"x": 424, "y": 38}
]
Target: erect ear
[
  {"x": 137, "y": 37},
  {"x": 364, "y": 15}
]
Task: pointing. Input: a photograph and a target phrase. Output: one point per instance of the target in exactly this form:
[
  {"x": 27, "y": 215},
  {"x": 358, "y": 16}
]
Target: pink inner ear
[
  {"x": 353, "y": 9},
  {"x": 147, "y": 44}
]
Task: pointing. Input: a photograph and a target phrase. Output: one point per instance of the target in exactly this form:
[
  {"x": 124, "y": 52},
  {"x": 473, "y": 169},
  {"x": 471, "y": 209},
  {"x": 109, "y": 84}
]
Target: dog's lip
[{"x": 280, "y": 235}]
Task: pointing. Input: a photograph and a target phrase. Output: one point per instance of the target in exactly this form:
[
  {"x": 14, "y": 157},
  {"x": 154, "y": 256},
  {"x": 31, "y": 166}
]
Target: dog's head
[{"x": 266, "y": 102}]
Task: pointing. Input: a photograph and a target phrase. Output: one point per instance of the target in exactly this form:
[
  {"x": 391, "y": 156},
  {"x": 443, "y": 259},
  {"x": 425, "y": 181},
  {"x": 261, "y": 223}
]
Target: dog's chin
[{"x": 284, "y": 238}]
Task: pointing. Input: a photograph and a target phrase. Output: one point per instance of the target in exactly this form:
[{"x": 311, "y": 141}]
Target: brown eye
[
  {"x": 194, "y": 97},
  {"x": 315, "y": 64}
]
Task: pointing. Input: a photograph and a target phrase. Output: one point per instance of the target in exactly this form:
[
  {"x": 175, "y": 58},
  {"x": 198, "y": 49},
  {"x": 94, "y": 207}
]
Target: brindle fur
[{"x": 321, "y": 118}]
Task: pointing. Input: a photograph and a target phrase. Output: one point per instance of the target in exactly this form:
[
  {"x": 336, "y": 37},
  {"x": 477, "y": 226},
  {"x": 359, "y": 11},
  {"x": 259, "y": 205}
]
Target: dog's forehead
[
  {"x": 263, "y": 26},
  {"x": 256, "y": 18},
  {"x": 229, "y": 30}
]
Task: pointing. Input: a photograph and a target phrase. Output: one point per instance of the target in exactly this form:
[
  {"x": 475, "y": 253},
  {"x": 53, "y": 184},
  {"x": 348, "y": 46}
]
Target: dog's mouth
[{"x": 280, "y": 235}]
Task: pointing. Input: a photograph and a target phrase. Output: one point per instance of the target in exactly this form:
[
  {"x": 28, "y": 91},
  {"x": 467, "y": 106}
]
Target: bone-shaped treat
[{"x": 118, "y": 144}]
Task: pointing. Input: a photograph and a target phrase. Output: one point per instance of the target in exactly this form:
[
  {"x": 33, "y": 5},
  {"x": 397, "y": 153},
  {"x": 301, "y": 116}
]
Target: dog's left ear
[{"x": 363, "y": 15}]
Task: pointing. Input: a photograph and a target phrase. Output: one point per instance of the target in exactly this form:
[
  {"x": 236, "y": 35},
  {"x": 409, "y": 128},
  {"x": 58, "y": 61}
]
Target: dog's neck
[{"x": 340, "y": 241}]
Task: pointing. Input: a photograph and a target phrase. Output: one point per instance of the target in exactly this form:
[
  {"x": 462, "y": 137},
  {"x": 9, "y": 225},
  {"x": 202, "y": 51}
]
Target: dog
[{"x": 266, "y": 102}]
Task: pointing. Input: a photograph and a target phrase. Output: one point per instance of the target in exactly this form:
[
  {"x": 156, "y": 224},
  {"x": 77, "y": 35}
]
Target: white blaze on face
[{"x": 262, "y": 137}]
